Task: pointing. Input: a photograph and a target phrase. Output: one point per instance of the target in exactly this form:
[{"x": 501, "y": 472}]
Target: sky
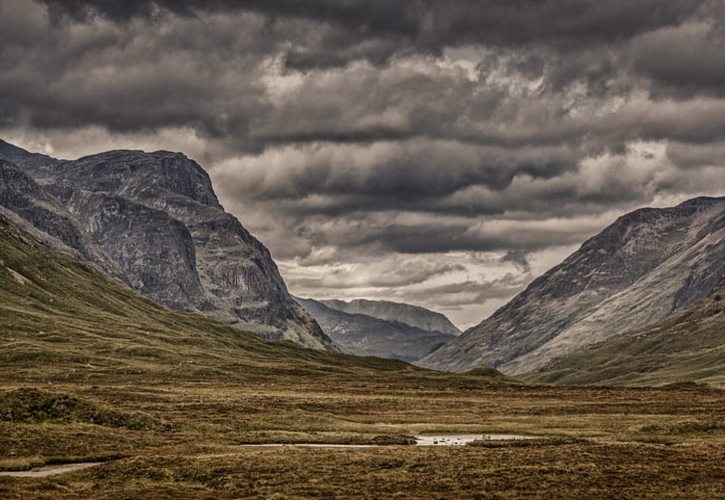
[{"x": 438, "y": 152}]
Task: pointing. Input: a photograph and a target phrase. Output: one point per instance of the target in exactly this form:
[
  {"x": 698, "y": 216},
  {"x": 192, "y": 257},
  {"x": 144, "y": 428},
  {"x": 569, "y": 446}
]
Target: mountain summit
[
  {"x": 154, "y": 221},
  {"x": 647, "y": 265}
]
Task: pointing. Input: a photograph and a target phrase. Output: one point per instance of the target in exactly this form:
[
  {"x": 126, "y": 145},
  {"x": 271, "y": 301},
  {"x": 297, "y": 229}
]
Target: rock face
[
  {"x": 153, "y": 220},
  {"x": 365, "y": 335},
  {"x": 32, "y": 207},
  {"x": 416, "y": 316},
  {"x": 647, "y": 265}
]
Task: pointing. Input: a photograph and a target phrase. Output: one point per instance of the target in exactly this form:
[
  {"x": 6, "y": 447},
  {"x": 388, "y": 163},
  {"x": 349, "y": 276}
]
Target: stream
[{"x": 49, "y": 470}]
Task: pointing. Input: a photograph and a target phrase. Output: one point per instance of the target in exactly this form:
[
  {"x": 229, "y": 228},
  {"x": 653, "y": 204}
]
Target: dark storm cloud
[
  {"x": 375, "y": 234},
  {"x": 683, "y": 60},
  {"x": 403, "y": 173},
  {"x": 434, "y": 22},
  {"x": 349, "y": 129},
  {"x": 199, "y": 68}
]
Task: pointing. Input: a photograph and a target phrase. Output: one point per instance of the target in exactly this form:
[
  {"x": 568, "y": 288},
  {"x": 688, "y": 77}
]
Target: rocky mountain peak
[
  {"x": 139, "y": 175},
  {"x": 154, "y": 221}
]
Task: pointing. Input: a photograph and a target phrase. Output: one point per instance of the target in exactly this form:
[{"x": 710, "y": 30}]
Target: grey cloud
[
  {"x": 519, "y": 258},
  {"x": 469, "y": 291},
  {"x": 683, "y": 60},
  {"x": 404, "y": 173},
  {"x": 392, "y": 274},
  {"x": 375, "y": 234},
  {"x": 428, "y": 21}
]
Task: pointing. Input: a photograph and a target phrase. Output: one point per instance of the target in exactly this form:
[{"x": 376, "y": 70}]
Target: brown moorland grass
[{"x": 629, "y": 443}]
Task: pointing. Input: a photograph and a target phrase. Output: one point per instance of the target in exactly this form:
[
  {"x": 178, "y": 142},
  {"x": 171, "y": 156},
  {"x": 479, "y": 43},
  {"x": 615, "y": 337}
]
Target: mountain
[
  {"x": 365, "y": 335},
  {"x": 154, "y": 221},
  {"x": 416, "y": 316},
  {"x": 63, "y": 319},
  {"x": 646, "y": 266},
  {"x": 688, "y": 347}
]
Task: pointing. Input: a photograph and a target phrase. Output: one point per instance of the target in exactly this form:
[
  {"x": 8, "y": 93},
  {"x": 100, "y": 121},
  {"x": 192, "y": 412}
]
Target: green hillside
[
  {"x": 689, "y": 347},
  {"x": 62, "y": 319}
]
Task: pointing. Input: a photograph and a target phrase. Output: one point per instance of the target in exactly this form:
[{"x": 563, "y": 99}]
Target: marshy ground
[{"x": 184, "y": 439}]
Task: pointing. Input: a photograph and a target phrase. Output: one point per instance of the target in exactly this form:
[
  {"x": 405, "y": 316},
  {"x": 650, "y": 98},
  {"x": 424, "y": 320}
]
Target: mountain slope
[
  {"x": 416, "y": 316},
  {"x": 365, "y": 335},
  {"x": 157, "y": 223},
  {"x": 689, "y": 347},
  {"x": 60, "y": 318},
  {"x": 641, "y": 269},
  {"x": 37, "y": 211}
]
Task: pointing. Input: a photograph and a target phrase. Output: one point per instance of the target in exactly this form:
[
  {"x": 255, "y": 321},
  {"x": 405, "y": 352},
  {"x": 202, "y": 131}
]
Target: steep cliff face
[
  {"x": 156, "y": 217},
  {"x": 647, "y": 265},
  {"x": 365, "y": 335},
  {"x": 415, "y": 316},
  {"x": 36, "y": 209},
  {"x": 155, "y": 250}
]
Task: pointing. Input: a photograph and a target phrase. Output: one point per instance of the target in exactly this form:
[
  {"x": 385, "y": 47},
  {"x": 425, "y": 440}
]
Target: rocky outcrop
[
  {"x": 155, "y": 219},
  {"x": 641, "y": 269},
  {"x": 416, "y": 316},
  {"x": 365, "y": 335},
  {"x": 32, "y": 207}
]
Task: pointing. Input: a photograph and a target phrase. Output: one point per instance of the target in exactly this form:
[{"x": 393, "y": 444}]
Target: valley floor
[{"x": 182, "y": 439}]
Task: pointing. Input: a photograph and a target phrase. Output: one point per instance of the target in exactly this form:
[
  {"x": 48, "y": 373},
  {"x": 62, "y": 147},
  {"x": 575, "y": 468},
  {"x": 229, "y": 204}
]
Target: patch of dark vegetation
[
  {"x": 393, "y": 439},
  {"x": 490, "y": 373},
  {"x": 31, "y": 406},
  {"x": 689, "y": 386},
  {"x": 687, "y": 427},
  {"x": 527, "y": 443}
]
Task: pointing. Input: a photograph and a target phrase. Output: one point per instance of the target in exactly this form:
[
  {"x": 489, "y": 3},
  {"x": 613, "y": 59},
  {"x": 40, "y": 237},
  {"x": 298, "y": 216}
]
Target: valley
[
  {"x": 362, "y": 249},
  {"x": 107, "y": 393},
  {"x": 169, "y": 401}
]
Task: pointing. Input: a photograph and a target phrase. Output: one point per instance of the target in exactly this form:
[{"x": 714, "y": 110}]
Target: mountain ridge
[
  {"x": 409, "y": 314},
  {"x": 365, "y": 335},
  {"x": 646, "y": 265}
]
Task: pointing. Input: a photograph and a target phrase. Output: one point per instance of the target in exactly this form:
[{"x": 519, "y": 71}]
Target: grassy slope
[
  {"x": 687, "y": 347},
  {"x": 61, "y": 318}
]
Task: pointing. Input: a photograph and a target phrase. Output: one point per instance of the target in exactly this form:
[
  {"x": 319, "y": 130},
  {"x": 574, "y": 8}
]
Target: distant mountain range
[
  {"x": 381, "y": 328},
  {"x": 416, "y": 316},
  {"x": 153, "y": 221},
  {"x": 647, "y": 266}
]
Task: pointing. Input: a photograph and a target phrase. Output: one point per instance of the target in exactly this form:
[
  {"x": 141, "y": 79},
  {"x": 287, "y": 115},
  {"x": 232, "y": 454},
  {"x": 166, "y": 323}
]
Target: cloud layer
[{"x": 442, "y": 153}]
